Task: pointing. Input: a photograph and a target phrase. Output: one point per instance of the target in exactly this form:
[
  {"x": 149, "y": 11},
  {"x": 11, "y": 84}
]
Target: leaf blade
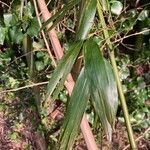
[
  {"x": 100, "y": 74},
  {"x": 75, "y": 111},
  {"x": 87, "y": 13},
  {"x": 63, "y": 67}
]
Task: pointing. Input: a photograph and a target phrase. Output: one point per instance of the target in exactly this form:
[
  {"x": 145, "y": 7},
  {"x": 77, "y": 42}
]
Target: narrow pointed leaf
[
  {"x": 99, "y": 106},
  {"x": 75, "y": 111},
  {"x": 103, "y": 83},
  {"x": 87, "y": 13},
  {"x": 64, "y": 67},
  {"x": 60, "y": 17},
  {"x": 60, "y": 14}
]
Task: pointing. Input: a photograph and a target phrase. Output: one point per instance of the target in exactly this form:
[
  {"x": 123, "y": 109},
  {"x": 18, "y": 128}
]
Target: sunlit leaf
[
  {"x": 74, "y": 113},
  {"x": 33, "y": 27},
  {"x": 16, "y": 34},
  {"x": 103, "y": 85},
  {"x": 87, "y": 13},
  {"x": 39, "y": 65}
]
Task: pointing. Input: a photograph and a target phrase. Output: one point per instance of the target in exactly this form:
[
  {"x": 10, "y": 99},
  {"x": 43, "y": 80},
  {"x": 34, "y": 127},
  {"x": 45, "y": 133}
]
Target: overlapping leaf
[
  {"x": 97, "y": 76},
  {"x": 67, "y": 62},
  {"x": 75, "y": 110},
  {"x": 103, "y": 86},
  {"x": 80, "y": 93},
  {"x": 98, "y": 103},
  {"x": 63, "y": 68}
]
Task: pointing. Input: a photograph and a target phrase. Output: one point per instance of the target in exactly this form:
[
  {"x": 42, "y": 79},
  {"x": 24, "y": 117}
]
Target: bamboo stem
[{"x": 115, "y": 70}]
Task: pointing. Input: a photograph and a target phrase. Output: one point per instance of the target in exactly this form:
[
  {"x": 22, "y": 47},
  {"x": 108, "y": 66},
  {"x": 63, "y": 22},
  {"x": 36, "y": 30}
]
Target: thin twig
[
  {"x": 25, "y": 54},
  {"x": 68, "y": 27},
  {"x": 24, "y": 87},
  {"x": 130, "y": 35},
  {"x": 5, "y": 4},
  {"x": 52, "y": 34},
  {"x": 139, "y": 138},
  {"x": 121, "y": 39}
]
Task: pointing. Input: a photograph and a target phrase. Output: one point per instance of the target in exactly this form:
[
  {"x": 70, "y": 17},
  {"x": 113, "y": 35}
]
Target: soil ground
[{"x": 18, "y": 130}]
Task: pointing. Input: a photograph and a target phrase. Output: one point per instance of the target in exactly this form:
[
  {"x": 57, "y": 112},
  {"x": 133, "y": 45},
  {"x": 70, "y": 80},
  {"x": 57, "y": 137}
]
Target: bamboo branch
[{"x": 69, "y": 83}]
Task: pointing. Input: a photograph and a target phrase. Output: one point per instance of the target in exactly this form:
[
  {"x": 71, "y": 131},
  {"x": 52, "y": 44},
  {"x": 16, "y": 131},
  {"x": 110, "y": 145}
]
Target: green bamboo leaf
[
  {"x": 60, "y": 14},
  {"x": 87, "y": 13},
  {"x": 59, "y": 88},
  {"x": 103, "y": 85},
  {"x": 75, "y": 111},
  {"x": 63, "y": 67},
  {"x": 60, "y": 17},
  {"x": 99, "y": 106}
]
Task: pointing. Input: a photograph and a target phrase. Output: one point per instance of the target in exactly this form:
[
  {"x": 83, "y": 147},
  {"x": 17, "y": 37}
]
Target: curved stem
[{"x": 115, "y": 70}]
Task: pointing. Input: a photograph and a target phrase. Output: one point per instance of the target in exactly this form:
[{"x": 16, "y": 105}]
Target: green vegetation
[{"x": 104, "y": 74}]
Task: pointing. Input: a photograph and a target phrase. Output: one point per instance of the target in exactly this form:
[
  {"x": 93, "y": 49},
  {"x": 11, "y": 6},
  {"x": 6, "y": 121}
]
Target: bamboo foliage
[
  {"x": 64, "y": 67},
  {"x": 102, "y": 84},
  {"x": 95, "y": 82},
  {"x": 116, "y": 73},
  {"x": 75, "y": 111}
]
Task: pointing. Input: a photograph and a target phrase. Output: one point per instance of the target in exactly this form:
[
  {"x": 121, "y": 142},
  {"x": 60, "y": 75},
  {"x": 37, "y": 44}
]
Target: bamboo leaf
[
  {"x": 63, "y": 67},
  {"x": 60, "y": 17},
  {"x": 103, "y": 85},
  {"x": 60, "y": 14},
  {"x": 99, "y": 106},
  {"x": 87, "y": 13},
  {"x": 75, "y": 111}
]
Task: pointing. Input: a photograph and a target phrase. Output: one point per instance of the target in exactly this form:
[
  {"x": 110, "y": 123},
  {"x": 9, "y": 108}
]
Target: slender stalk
[
  {"x": 115, "y": 70},
  {"x": 43, "y": 34}
]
